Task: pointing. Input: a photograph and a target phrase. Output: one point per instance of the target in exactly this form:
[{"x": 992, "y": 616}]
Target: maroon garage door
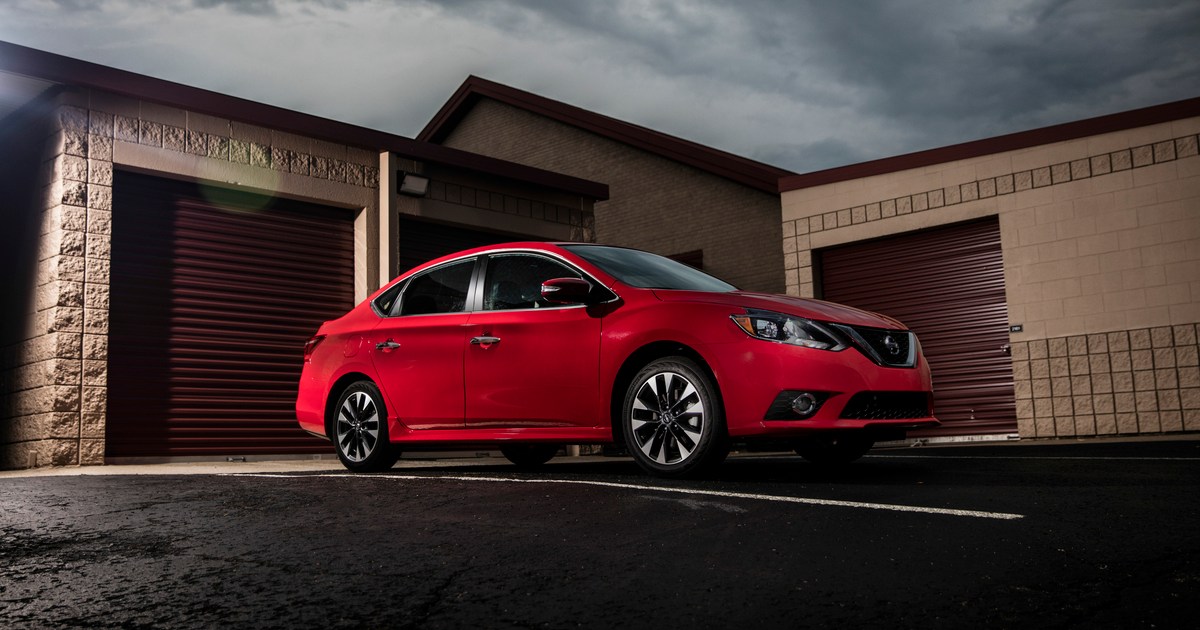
[
  {"x": 213, "y": 296},
  {"x": 947, "y": 285}
]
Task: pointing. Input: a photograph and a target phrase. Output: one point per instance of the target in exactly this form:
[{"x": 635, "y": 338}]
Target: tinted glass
[
  {"x": 443, "y": 290},
  {"x": 648, "y": 271},
  {"x": 515, "y": 281},
  {"x": 387, "y": 301}
]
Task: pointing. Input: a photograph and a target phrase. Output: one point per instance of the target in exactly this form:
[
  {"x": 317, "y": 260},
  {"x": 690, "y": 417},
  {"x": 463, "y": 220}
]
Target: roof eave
[
  {"x": 757, "y": 175},
  {"x": 1121, "y": 121},
  {"x": 75, "y": 72}
]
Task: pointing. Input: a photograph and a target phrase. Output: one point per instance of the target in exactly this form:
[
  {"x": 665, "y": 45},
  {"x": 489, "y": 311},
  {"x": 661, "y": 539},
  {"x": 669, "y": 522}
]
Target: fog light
[
  {"x": 804, "y": 405},
  {"x": 795, "y": 404}
]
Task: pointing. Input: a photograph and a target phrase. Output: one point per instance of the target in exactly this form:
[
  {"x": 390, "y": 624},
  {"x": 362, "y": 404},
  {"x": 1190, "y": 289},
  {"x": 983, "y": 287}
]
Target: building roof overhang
[
  {"x": 1132, "y": 119},
  {"x": 49, "y": 67},
  {"x": 744, "y": 171}
]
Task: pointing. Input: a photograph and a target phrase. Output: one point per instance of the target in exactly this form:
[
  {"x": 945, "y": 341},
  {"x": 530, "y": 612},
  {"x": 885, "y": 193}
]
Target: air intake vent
[{"x": 887, "y": 406}]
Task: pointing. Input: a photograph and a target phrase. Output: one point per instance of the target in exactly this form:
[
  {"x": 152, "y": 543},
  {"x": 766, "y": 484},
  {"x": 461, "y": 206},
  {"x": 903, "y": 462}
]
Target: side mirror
[{"x": 567, "y": 291}]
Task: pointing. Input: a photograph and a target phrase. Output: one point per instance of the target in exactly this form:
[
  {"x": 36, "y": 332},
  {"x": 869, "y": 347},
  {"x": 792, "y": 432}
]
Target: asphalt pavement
[{"x": 1102, "y": 534}]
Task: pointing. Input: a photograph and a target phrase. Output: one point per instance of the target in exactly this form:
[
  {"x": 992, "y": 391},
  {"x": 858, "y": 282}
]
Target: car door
[
  {"x": 417, "y": 350},
  {"x": 531, "y": 363}
]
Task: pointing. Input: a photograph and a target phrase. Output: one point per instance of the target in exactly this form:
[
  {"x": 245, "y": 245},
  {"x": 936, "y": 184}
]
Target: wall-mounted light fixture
[{"x": 412, "y": 184}]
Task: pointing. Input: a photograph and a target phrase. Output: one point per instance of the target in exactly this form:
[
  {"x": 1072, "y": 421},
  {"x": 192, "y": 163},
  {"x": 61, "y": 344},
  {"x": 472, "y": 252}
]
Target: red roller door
[
  {"x": 947, "y": 285},
  {"x": 213, "y": 294}
]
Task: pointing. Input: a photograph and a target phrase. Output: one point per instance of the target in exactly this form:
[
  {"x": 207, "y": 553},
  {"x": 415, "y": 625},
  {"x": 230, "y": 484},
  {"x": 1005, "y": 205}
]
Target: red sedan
[{"x": 526, "y": 347}]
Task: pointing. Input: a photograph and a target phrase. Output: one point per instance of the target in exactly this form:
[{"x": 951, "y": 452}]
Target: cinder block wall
[
  {"x": 1101, "y": 243},
  {"x": 655, "y": 204}
]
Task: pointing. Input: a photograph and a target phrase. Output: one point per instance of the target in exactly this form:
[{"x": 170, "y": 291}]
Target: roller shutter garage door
[
  {"x": 422, "y": 241},
  {"x": 947, "y": 285},
  {"x": 213, "y": 294}
]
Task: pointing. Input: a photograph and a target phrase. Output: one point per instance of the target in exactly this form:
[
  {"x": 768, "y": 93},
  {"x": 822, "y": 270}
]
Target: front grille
[
  {"x": 893, "y": 348},
  {"x": 887, "y": 406}
]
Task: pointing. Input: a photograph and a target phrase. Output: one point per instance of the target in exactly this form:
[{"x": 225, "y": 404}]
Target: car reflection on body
[{"x": 527, "y": 347}]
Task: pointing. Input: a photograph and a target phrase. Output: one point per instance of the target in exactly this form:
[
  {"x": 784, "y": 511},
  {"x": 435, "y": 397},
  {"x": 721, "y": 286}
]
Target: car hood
[{"x": 819, "y": 310}]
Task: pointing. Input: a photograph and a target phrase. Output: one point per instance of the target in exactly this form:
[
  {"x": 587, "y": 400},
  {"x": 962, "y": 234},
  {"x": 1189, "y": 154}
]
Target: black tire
[
  {"x": 672, "y": 419},
  {"x": 834, "y": 450},
  {"x": 529, "y": 456},
  {"x": 360, "y": 433}
]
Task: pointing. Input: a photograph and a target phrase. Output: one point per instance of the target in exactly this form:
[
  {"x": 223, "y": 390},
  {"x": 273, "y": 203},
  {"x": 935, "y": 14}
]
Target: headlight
[{"x": 788, "y": 329}]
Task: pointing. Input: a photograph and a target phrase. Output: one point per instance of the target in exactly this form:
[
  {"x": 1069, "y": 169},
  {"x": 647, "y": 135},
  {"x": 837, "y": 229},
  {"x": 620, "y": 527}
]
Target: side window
[
  {"x": 385, "y": 303},
  {"x": 442, "y": 290},
  {"x": 515, "y": 281}
]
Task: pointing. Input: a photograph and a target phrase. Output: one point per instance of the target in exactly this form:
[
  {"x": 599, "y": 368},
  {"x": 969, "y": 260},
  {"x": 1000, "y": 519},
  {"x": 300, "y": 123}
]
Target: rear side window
[
  {"x": 441, "y": 290},
  {"x": 386, "y": 302}
]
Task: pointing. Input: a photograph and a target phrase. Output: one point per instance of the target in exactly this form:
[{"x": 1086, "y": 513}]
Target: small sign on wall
[{"x": 1016, "y": 328}]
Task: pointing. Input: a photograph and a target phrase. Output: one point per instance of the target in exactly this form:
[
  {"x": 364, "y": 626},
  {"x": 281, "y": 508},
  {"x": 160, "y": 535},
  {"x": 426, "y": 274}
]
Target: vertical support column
[
  {"x": 389, "y": 224},
  {"x": 51, "y": 404},
  {"x": 97, "y": 259}
]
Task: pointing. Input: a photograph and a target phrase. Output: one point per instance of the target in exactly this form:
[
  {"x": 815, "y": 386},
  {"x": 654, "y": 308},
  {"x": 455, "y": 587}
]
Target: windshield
[{"x": 648, "y": 271}]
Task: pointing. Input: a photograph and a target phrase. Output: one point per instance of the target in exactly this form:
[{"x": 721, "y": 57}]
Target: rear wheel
[
  {"x": 673, "y": 423},
  {"x": 833, "y": 450},
  {"x": 360, "y": 429},
  {"x": 528, "y": 456}
]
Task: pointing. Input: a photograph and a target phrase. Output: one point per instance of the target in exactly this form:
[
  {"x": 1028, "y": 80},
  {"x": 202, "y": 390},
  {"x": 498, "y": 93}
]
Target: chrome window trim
[
  {"x": 486, "y": 254},
  {"x": 544, "y": 254}
]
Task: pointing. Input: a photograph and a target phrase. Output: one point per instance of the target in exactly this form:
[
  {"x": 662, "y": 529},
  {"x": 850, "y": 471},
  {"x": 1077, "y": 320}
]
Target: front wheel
[
  {"x": 834, "y": 450},
  {"x": 673, "y": 422},
  {"x": 360, "y": 429}
]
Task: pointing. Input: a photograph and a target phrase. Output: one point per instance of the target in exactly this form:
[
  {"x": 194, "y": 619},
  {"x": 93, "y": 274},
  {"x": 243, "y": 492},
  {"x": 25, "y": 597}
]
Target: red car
[{"x": 530, "y": 346}]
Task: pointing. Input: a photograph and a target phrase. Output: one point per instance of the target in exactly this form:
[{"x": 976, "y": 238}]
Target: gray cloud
[
  {"x": 805, "y": 85},
  {"x": 249, "y": 7}
]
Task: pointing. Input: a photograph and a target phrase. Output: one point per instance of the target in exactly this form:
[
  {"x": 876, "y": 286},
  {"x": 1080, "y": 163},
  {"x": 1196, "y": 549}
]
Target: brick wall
[
  {"x": 656, "y": 204},
  {"x": 1137, "y": 381},
  {"x": 1101, "y": 241}
]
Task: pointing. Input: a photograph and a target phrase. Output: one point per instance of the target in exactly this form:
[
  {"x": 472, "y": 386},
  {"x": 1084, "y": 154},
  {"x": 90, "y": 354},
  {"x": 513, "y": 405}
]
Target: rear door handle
[
  {"x": 484, "y": 341},
  {"x": 387, "y": 345}
]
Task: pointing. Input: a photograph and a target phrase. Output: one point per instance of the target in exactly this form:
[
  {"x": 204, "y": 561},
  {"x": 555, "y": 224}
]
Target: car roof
[{"x": 554, "y": 248}]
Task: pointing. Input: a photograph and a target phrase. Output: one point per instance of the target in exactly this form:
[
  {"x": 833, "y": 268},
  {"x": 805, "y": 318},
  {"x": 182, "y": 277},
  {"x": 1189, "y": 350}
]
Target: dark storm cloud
[
  {"x": 965, "y": 67},
  {"x": 935, "y": 72},
  {"x": 805, "y": 85}
]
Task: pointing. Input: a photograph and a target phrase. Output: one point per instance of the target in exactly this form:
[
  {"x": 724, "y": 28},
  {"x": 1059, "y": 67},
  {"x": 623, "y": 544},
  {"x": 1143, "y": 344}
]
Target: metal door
[
  {"x": 947, "y": 285},
  {"x": 213, "y": 294}
]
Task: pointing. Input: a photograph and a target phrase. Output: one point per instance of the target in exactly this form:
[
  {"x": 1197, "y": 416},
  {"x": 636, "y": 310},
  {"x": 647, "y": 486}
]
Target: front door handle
[
  {"x": 485, "y": 342},
  {"x": 387, "y": 346}
]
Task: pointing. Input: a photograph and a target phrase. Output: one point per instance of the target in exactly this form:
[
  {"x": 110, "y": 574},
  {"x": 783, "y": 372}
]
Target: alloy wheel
[
  {"x": 357, "y": 426},
  {"x": 667, "y": 418}
]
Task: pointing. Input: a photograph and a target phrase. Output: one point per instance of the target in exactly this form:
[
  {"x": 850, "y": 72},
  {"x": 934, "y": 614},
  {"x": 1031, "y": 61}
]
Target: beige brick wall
[
  {"x": 656, "y": 204},
  {"x": 1101, "y": 242},
  {"x": 1145, "y": 380}
]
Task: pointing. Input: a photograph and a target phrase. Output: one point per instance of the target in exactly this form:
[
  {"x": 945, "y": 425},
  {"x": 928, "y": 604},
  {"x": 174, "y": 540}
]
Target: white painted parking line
[
  {"x": 689, "y": 491},
  {"x": 1043, "y": 458}
]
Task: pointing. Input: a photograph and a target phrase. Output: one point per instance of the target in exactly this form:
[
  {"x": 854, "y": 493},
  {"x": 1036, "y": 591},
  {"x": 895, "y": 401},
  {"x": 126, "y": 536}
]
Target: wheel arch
[
  {"x": 335, "y": 392},
  {"x": 642, "y": 357}
]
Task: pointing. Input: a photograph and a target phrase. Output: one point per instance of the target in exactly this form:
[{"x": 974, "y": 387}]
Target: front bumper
[{"x": 752, "y": 374}]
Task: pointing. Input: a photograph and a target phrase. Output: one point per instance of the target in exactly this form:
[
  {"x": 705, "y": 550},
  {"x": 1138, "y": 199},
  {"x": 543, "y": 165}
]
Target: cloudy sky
[{"x": 802, "y": 85}]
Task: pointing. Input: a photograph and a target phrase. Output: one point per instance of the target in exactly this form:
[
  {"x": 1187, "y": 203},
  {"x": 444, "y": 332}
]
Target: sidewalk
[{"x": 227, "y": 467}]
